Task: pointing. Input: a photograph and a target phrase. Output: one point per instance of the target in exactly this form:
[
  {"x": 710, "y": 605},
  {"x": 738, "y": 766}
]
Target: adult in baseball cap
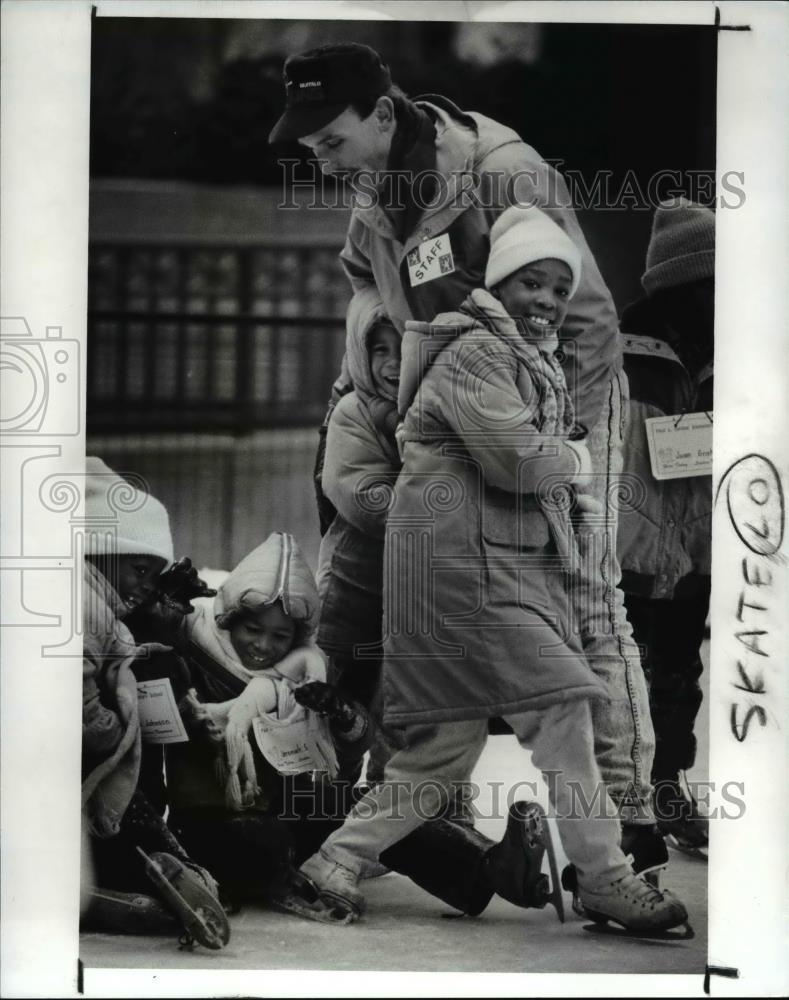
[{"x": 321, "y": 83}]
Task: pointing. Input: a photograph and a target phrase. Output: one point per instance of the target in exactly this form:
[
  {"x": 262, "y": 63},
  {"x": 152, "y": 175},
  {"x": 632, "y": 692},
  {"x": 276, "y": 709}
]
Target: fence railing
[{"x": 212, "y": 337}]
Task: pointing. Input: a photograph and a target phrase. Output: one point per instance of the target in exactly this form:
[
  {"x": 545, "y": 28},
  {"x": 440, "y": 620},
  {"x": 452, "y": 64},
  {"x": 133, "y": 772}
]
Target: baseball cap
[{"x": 321, "y": 83}]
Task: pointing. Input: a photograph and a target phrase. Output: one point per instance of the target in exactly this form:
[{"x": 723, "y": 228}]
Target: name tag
[
  {"x": 289, "y": 747},
  {"x": 680, "y": 446},
  {"x": 160, "y": 720},
  {"x": 430, "y": 260}
]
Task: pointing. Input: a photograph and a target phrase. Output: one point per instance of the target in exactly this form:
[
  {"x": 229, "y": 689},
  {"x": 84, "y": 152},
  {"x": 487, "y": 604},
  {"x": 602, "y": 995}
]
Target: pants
[
  {"x": 419, "y": 781},
  {"x": 623, "y": 733},
  {"x": 670, "y": 634}
]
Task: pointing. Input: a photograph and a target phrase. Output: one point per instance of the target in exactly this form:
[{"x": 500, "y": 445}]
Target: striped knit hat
[{"x": 682, "y": 246}]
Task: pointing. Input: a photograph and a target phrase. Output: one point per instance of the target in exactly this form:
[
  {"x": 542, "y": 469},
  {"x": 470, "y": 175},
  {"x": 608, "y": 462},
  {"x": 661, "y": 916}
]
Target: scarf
[{"x": 413, "y": 151}]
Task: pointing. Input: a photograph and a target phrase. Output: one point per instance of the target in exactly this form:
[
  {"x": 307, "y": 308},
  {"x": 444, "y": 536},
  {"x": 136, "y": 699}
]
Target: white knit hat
[
  {"x": 523, "y": 234},
  {"x": 682, "y": 246},
  {"x": 120, "y": 518}
]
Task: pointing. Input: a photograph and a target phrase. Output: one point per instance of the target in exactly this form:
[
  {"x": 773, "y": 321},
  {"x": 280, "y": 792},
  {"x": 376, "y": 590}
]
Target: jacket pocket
[{"x": 514, "y": 520}]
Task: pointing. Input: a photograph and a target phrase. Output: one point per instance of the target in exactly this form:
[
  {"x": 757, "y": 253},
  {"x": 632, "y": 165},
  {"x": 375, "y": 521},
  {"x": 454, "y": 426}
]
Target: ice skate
[
  {"x": 643, "y": 846},
  {"x": 637, "y": 907},
  {"x": 333, "y": 883},
  {"x": 680, "y": 821},
  {"x": 293, "y": 893},
  {"x": 514, "y": 865},
  {"x": 109, "y": 911},
  {"x": 186, "y": 894}
]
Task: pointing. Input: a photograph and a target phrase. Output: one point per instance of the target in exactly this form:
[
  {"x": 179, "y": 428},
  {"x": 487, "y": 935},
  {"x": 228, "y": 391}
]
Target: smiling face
[
  {"x": 350, "y": 143},
  {"x": 384, "y": 347},
  {"x": 263, "y": 637},
  {"x": 538, "y": 293},
  {"x": 136, "y": 578}
]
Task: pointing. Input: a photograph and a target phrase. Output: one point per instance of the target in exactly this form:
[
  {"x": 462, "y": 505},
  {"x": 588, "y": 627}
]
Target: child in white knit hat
[
  {"x": 127, "y": 545},
  {"x": 476, "y": 599}
]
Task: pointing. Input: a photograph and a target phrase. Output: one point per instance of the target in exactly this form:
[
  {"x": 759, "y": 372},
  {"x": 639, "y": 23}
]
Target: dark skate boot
[
  {"x": 514, "y": 866},
  {"x": 637, "y": 907},
  {"x": 645, "y": 849},
  {"x": 185, "y": 892},
  {"x": 679, "y": 820},
  {"x": 112, "y": 912}
]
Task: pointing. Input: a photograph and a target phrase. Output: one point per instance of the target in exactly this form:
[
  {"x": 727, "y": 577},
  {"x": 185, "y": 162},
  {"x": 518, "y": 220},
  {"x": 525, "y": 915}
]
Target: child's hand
[
  {"x": 586, "y": 512},
  {"x": 305, "y": 663},
  {"x": 179, "y": 585},
  {"x": 583, "y": 474}
]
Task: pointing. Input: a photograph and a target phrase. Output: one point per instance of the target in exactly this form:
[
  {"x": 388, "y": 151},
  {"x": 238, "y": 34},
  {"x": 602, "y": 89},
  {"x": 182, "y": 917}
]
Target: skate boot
[
  {"x": 185, "y": 893},
  {"x": 333, "y": 883},
  {"x": 679, "y": 820},
  {"x": 291, "y": 892},
  {"x": 513, "y": 867},
  {"x": 636, "y": 906},
  {"x": 114, "y": 912},
  {"x": 644, "y": 848}
]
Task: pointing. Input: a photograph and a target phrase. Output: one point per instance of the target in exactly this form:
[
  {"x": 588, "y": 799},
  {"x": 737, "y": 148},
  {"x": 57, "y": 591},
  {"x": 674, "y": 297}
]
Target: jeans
[
  {"x": 420, "y": 778},
  {"x": 623, "y": 733}
]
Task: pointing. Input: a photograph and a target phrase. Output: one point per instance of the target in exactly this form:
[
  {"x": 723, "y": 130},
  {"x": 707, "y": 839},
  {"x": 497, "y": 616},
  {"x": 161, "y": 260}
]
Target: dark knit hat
[
  {"x": 321, "y": 83},
  {"x": 682, "y": 246}
]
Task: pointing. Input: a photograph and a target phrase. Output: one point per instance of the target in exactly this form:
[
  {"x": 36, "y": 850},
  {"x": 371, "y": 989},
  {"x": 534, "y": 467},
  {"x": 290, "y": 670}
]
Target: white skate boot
[
  {"x": 333, "y": 882},
  {"x": 637, "y": 906}
]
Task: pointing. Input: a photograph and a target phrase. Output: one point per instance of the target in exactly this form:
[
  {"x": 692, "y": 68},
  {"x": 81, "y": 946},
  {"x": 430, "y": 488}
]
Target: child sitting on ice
[
  {"x": 241, "y": 792},
  {"x": 127, "y": 545}
]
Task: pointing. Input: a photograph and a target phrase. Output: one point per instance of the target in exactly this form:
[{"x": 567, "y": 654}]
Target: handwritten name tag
[
  {"x": 288, "y": 747},
  {"x": 160, "y": 720},
  {"x": 680, "y": 446},
  {"x": 431, "y": 259}
]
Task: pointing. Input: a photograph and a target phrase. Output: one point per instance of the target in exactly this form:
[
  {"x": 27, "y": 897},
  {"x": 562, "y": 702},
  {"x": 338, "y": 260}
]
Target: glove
[
  {"x": 583, "y": 474},
  {"x": 323, "y": 699},
  {"x": 178, "y": 585},
  {"x": 198, "y": 720},
  {"x": 586, "y": 512}
]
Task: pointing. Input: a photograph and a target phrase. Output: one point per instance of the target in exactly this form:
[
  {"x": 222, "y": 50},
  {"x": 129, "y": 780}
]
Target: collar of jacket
[
  {"x": 462, "y": 141},
  {"x": 103, "y": 589}
]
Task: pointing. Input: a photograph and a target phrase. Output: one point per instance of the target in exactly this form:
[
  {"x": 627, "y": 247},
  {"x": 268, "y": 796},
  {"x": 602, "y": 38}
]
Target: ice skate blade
[
  {"x": 325, "y": 907},
  {"x": 318, "y": 910},
  {"x": 205, "y": 921},
  {"x": 684, "y": 932},
  {"x": 537, "y": 829},
  {"x": 687, "y": 849}
]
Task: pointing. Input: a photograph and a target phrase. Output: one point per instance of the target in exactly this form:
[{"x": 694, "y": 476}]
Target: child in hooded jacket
[
  {"x": 360, "y": 469},
  {"x": 477, "y": 620},
  {"x": 242, "y": 813},
  {"x": 127, "y": 545}
]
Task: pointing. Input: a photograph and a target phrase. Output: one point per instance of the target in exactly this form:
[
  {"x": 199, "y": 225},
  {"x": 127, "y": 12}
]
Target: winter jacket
[
  {"x": 664, "y": 543},
  {"x": 274, "y": 570},
  {"x": 360, "y": 467},
  {"x": 487, "y": 167},
  {"x": 110, "y": 724},
  {"x": 476, "y": 610}
]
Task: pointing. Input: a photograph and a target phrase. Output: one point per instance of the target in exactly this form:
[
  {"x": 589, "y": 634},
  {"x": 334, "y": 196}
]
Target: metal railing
[{"x": 225, "y": 338}]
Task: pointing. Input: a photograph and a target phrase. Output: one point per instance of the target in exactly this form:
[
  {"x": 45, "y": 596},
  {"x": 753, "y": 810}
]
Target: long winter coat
[
  {"x": 664, "y": 544},
  {"x": 476, "y": 620},
  {"x": 111, "y": 743},
  {"x": 487, "y": 168},
  {"x": 360, "y": 466}
]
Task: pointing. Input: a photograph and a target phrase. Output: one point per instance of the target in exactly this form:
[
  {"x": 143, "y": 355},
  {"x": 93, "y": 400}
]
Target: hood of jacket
[
  {"x": 365, "y": 310},
  {"x": 274, "y": 571}
]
